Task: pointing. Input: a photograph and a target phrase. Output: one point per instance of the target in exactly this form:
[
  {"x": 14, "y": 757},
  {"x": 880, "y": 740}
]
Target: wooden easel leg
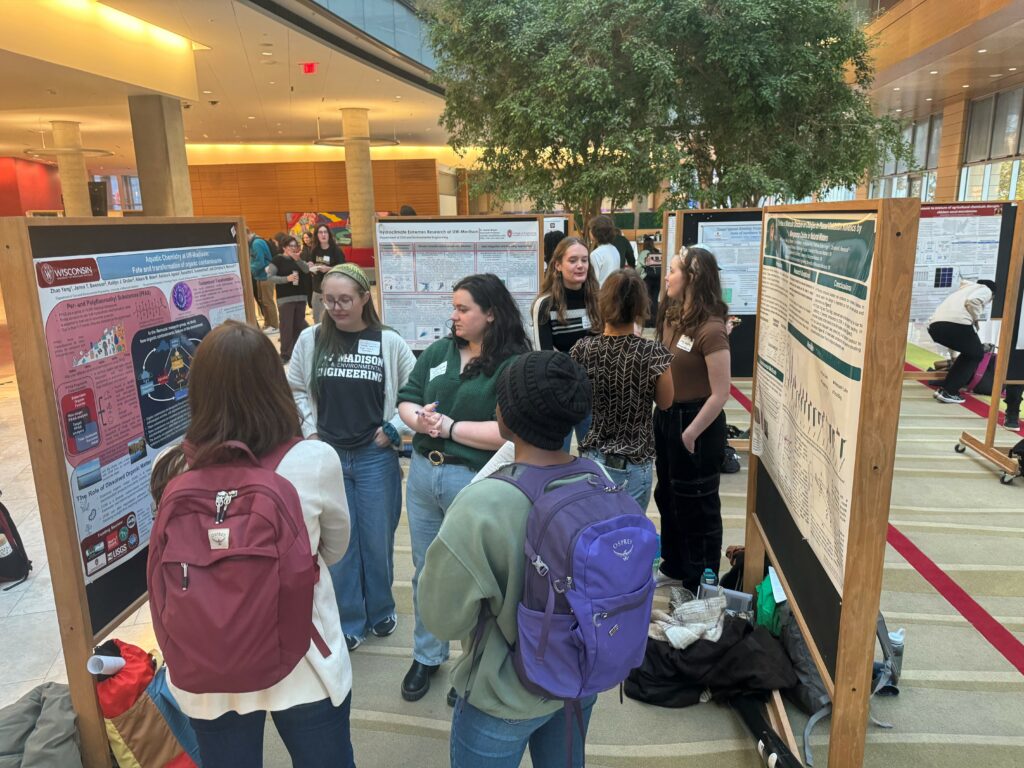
[{"x": 780, "y": 723}]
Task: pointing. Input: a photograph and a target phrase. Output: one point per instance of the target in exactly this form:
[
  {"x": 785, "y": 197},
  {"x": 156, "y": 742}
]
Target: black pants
[
  {"x": 1014, "y": 394},
  {"x": 963, "y": 339},
  {"x": 687, "y": 493},
  {"x": 293, "y": 322}
]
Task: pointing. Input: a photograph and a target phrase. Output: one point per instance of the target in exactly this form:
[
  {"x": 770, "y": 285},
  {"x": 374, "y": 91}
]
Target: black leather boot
[{"x": 417, "y": 681}]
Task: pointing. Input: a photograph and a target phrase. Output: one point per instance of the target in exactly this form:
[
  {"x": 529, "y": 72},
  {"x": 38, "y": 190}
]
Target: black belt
[{"x": 437, "y": 458}]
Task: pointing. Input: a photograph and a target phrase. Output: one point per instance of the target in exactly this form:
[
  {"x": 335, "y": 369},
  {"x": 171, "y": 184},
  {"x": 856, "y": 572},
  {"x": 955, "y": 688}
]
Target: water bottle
[
  {"x": 707, "y": 579},
  {"x": 657, "y": 557},
  {"x": 896, "y": 640}
]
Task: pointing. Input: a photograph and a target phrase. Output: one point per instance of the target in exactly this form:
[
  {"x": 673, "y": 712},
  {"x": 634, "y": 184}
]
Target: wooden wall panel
[
  {"x": 951, "y": 151},
  {"x": 264, "y": 192}
]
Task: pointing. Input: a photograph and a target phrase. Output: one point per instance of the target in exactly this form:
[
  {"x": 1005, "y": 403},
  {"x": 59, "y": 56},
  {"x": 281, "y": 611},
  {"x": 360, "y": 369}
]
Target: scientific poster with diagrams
[
  {"x": 737, "y": 248},
  {"x": 121, "y": 331},
  {"x": 955, "y": 242},
  {"x": 669, "y": 246},
  {"x": 815, "y": 291},
  {"x": 421, "y": 261}
]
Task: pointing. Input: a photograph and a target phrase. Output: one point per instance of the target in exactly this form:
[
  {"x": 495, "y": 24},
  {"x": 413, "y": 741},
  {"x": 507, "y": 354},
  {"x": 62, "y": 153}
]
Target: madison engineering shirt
[{"x": 350, "y": 396}]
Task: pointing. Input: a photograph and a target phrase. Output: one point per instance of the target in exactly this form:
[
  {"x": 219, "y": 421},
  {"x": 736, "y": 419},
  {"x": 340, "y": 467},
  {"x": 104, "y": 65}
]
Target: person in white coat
[{"x": 955, "y": 326}]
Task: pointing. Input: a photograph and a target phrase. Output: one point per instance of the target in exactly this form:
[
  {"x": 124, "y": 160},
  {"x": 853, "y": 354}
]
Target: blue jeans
[
  {"x": 480, "y": 740},
  {"x": 429, "y": 492},
  {"x": 581, "y": 430},
  {"x": 637, "y": 477},
  {"x": 316, "y": 736},
  {"x": 363, "y": 577}
]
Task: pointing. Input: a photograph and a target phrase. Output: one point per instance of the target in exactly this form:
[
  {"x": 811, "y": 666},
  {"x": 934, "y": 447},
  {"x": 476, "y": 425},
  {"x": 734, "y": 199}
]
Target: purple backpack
[{"x": 588, "y": 582}]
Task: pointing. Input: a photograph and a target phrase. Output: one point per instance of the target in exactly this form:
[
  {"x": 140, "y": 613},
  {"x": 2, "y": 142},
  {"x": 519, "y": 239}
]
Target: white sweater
[
  {"x": 315, "y": 470},
  {"x": 964, "y": 306},
  {"x": 398, "y": 364},
  {"x": 605, "y": 260}
]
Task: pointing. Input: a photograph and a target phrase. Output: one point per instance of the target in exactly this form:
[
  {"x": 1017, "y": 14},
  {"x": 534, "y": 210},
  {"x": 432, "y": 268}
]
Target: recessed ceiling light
[
  {"x": 252, "y": 117},
  {"x": 271, "y": 83},
  {"x": 205, "y": 136},
  {"x": 1013, "y": 69},
  {"x": 965, "y": 86},
  {"x": 983, "y": 50},
  {"x": 899, "y": 110},
  {"x": 895, "y": 89},
  {"x": 998, "y": 74},
  {"x": 207, "y": 91},
  {"x": 398, "y": 98},
  {"x": 934, "y": 72},
  {"x": 266, "y": 53},
  {"x": 929, "y": 98}
]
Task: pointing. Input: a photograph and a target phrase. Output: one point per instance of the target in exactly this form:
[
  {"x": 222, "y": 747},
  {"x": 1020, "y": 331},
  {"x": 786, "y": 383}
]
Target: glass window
[
  {"x": 935, "y": 141},
  {"x": 1020, "y": 183},
  {"x": 908, "y": 137},
  {"x": 890, "y": 165},
  {"x": 921, "y": 145},
  {"x": 972, "y": 186},
  {"x": 1006, "y": 125},
  {"x": 979, "y": 130},
  {"x": 915, "y": 187},
  {"x": 928, "y": 188},
  {"x": 999, "y": 181},
  {"x": 900, "y": 186}
]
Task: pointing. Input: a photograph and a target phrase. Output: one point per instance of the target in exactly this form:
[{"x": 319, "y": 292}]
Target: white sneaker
[
  {"x": 270, "y": 330},
  {"x": 947, "y": 397}
]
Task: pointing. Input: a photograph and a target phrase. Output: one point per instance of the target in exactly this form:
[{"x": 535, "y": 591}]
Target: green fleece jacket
[{"x": 478, "y": 555}]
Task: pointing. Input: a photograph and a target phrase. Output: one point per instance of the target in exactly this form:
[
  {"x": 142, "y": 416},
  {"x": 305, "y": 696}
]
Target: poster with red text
[{"x": 121, "y": 330}]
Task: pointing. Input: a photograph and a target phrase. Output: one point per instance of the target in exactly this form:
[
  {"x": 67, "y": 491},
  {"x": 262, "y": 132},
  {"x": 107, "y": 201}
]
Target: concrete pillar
[
  {"x": 74, "y": 177},
  {"x": 158, "y": 134},
  {"x": 355, "y": 127},
  {"x": 951, "y": 150}
]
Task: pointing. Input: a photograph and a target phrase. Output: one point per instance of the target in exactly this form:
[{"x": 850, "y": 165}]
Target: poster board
[
  {"x": 959, "y": 241},
  {"x": 734, "y": 236},
  {"x": 105, "y": 314},
  {"x": 826, "y": 411},
  {"x": 556, "y": 223},
  {"x": 421, "y": 259}
]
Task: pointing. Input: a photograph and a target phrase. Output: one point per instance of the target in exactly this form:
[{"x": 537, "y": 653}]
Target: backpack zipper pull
[
  {"x": 224, "y": 498},
  {"x": 184, "y": 576}
]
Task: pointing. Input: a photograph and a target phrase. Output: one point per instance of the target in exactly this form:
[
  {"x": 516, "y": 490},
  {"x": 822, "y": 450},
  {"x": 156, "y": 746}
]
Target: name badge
[
  {"x": 326, "y": 258},
  {"x": 438, "y": 370},
  {"x": 369, "y": 347},
  {"x": 685, "y": 343},
  {"x": 586, "y": 322}
]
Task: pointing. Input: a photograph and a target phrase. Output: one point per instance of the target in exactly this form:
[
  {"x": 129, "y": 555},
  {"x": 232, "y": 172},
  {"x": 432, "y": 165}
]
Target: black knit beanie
[{"x": 542, "y": 395}]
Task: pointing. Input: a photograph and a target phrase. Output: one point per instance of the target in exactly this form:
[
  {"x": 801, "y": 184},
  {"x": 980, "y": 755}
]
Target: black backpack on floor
[{"x": 14, "y": 563}]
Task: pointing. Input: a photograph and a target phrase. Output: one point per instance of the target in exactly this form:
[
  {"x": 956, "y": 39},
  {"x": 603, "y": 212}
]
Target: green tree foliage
[{"x": 576, "y": 100}]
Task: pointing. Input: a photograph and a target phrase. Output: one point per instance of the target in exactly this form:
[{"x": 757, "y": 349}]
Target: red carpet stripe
[
  {"x": 995, "y": 633},
  {"x": 999, "y": 636}
]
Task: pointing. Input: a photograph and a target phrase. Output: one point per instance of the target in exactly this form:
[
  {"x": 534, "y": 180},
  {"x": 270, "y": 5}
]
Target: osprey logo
[
  {"x": 219, "y": 538},
  {"x": 623, "y": 548}
]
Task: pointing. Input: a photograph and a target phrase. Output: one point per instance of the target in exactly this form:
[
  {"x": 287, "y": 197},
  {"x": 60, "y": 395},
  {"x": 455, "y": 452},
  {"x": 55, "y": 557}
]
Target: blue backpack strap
[{"x": 533, "y": 481}]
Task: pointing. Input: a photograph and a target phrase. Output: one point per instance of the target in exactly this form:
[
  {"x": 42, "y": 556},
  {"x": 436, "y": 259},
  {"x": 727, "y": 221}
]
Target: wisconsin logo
[
  {"x": 66, "y": 272},
  {"x": 623, "y": 548}
]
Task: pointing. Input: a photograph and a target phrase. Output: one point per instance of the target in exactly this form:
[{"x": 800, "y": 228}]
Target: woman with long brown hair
[
  {"x": 238, "y": 392},
  {"x": 690, "y": 436},
  {"x": 566, "y": 309}
]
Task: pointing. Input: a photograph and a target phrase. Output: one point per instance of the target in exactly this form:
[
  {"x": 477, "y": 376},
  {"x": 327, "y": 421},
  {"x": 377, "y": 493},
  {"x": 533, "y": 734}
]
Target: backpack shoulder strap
[{"x": 533, "y": 481}]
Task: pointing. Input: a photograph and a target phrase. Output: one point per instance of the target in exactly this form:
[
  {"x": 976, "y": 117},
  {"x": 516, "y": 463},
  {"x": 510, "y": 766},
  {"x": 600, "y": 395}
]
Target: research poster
[
  {"x": 669, "y": 247},
  {"x": 737, "y": 248},
  {"x": 815, "y": 291},
  {"x": 121, "y": 330},
  {"x": 955, "y": 242},
  {"x": 421, "y": 261},
  {"x": 556, "y": 224}
]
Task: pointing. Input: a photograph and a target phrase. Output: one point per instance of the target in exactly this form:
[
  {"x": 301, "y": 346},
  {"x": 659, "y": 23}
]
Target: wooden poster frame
[
  {"x": 1011, "y": 303},
  {"x": 886, "y": 330},
  {"x": 46, "y": 449},
  {"x": 537, "y": 217}
]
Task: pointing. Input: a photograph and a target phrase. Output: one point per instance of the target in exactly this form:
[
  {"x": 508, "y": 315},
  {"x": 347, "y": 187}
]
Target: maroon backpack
[{"x": 231, "y": 575}]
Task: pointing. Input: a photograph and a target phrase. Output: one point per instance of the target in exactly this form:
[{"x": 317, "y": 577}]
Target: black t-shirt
[
  {"x": 331, "y": 258},
  {"x": 350, "y": 392}
]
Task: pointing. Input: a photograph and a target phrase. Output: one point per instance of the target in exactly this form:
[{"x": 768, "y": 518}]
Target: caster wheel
[
  {"x": 960, "y": 448},
  {"x": 1006, "y": 479}
]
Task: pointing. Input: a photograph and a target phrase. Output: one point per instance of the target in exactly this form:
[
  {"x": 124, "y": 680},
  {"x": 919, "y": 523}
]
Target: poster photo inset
[
  {"x": 80, "y": 420},
  {"x": 162, "y": 357}
]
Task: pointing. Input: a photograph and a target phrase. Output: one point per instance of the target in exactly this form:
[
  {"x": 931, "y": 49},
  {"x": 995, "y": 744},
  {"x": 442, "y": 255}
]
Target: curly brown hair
[{"x": 702, "y": 294}]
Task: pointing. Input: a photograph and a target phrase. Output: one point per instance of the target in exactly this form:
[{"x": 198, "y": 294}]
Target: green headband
[{"x": 351, "y": 270}]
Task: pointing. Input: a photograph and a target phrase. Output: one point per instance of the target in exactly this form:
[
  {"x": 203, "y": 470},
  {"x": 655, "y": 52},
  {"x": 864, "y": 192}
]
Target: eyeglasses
[{"x": 342, "y": 301}]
